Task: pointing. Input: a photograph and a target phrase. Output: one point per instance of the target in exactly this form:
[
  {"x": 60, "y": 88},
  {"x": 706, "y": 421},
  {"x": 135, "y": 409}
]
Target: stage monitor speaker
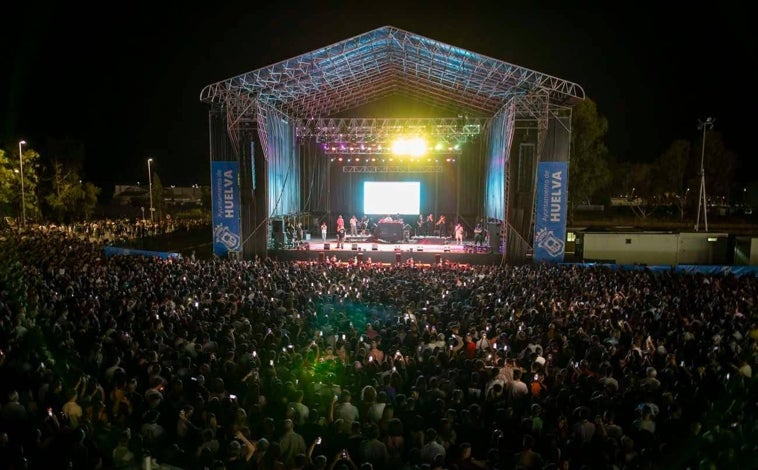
[
  {"x": 374, "y": 247},
  {"x": 437, "y": 258},
  {"x": 355, "y": 247},
  {"x": 327, "y": 246}
]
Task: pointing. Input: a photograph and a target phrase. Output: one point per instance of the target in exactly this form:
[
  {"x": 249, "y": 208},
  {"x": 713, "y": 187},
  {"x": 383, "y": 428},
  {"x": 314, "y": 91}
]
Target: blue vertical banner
[
  {"x": 550, "y": 226},
  {"x": 225, "y": 204}
]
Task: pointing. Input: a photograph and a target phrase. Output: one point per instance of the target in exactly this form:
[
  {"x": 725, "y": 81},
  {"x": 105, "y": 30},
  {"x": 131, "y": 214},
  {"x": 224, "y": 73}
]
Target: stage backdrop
[
  {"x": 550, "y": 226},
  {"x": 226, "y": 207}
]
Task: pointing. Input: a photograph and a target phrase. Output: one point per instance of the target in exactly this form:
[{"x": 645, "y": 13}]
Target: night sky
[{"x": 125, "y": 78}]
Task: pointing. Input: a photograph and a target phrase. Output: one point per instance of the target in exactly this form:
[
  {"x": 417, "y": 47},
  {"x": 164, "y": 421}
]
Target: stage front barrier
[{"x": 390, "y": 231}]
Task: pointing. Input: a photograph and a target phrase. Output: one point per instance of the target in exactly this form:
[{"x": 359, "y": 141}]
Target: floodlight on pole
[
  {"x": 21, "y": 143},
  {"x": 150, "y": 188},
  {"x": 702, "y": 199}
]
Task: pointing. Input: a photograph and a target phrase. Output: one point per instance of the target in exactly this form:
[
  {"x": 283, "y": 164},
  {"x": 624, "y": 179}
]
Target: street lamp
[
  {"x": 150, "y": 184},
  {"x": 23, "y": 199},
  {"x": 702, "y": 200}
]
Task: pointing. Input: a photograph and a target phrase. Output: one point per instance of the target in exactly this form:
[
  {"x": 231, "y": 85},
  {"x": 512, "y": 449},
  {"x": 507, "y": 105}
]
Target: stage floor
[{"x": 419, "y": 249}]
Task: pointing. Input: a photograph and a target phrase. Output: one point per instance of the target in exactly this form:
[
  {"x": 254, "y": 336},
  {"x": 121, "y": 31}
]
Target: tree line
[
  {"x": 671, "y": 179},
  {"x": 53, "y": 190}
]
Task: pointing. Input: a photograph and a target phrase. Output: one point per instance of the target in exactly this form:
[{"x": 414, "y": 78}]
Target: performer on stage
[
  {"x": 323, "y": 231},
  {"x": 290, "y": 230},
  {"x": 341, "y": 237},
  {"x": 442, "y": 225},
  {"x": 458, "y": 234},
  {"x": 353, "y": 226},
  {"x": 340, "y": 222},
  {"x": 370, "y": 227},
  {"x": 420, "y": 225},
  {"x": 479, "y": 234},
  {"x": 429, "y": 224}
]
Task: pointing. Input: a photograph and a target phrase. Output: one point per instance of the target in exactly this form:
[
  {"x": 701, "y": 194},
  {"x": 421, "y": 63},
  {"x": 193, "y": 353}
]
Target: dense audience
[
  {"x": 134, "y": 362},
  {"x": 122, "y": 230}
]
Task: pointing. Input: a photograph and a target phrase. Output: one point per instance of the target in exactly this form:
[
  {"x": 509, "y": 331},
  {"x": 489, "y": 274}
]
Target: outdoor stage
[{"x": 422, "y": 250}]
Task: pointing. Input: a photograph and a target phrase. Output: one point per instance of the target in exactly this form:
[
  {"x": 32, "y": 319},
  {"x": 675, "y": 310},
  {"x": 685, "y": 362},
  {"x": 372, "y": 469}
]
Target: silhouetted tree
[
  {"x": 589, "y": 172},
  {"x": 671, "y": 173}
]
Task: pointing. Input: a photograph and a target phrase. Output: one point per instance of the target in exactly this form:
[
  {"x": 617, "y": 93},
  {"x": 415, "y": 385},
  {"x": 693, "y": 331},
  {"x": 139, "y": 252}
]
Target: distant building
[{"x": 130, "y": 195}]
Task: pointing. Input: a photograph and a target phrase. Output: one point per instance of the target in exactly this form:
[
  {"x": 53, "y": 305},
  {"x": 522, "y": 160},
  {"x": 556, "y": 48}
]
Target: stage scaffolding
[{"x": 278, "y": 119}]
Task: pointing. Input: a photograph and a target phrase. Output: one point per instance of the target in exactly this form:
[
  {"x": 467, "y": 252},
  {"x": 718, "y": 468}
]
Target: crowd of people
[
  {"x": 122, "y": 230},
  {"x": 131, "y": 362}
]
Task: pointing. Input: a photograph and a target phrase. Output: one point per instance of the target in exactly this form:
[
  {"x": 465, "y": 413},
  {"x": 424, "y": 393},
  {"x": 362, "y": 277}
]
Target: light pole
[
  {"x": 150, "y": 189},
  {"x": 21, "y": 143},
  {"x": 702, "y": 199}
]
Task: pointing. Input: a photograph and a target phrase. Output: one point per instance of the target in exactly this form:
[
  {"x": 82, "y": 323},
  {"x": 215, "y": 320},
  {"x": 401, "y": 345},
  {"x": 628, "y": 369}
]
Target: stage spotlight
[{"x": 414, "y": 146}]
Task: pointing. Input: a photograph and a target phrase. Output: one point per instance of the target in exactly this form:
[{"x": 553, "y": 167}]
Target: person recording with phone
[{"x": 342, "y": 458}]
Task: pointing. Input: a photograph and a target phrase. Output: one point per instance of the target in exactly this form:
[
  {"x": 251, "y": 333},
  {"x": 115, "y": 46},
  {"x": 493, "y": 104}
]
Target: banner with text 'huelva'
[
  {"x": 225, "y": 197},
  {"x": 550, "y": 223}
]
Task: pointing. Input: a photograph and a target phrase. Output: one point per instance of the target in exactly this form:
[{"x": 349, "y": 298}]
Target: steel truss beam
[
  {"x": 410, "y": 168},
  {"x": 375, "y": 135}
]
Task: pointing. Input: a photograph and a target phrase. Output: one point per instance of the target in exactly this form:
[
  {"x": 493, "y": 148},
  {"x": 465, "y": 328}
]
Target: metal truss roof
[
  {"x": 356, "y": 136},
  {"x": 385, "y": 62}
]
